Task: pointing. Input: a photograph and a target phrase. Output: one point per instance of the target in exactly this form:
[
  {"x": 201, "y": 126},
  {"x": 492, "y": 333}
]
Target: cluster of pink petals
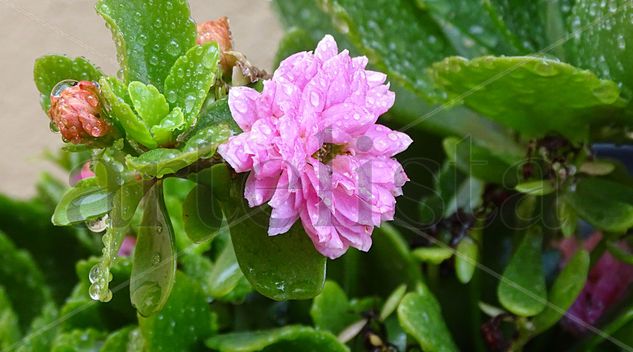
[{"x": 314, "y": 149}]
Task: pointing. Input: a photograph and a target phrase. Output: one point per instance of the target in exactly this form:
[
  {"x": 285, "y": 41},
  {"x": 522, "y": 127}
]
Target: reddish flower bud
[
  {"x": 217, "y": 31},
  {"x": 76, "y": 112}
]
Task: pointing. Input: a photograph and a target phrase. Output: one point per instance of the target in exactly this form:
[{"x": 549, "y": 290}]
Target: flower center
[{"x": 328, "y": 152}]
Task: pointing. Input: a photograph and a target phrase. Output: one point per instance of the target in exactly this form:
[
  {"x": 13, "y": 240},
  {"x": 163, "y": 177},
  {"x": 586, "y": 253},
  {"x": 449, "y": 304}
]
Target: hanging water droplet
[
  {"x": 63, "y": 85},
  {"x": 95, "y": 291},
  {"x": 95, "y": 273},
  {"x": 99, "y": 224}
]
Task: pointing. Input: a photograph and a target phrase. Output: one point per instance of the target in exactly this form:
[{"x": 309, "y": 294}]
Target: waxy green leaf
[
  {"x": 148, "y": 102},
  {"x": 202, "y": 214},
  {"x": 398, "y": 37},
  {"x": 517, "y": 91},
  {"x": 331, "y": 309},
  {"x": 225, "y": 275},
  {"x": 150, "y": 36},
  {"x": 536, "y": 188},
  {"x": 291, "y": 267},
  {"x": 466, "y": 257},
  {"x": 522, "y": 288},
  {"x": 120, "y": 110},
  {"x": 162, "y": 161},
  {"x": 84, "y": 201},
  {"x": 420, "y": 316},
  {"x": 190, "y": 78},
  {"x": 564, "y": 291},
  {"x": 163, "y": 133},
  {"x": 154, "y": 269},
  {"x": 432, "y": 255},
  {"x": 78, "y": 340},
  {"x": 286, "y": 339},
  {"x": 185, "y": 319},
  {"x": 605, "y": 204},
  {"x": 52, "y": 69},
  {"x": 123, "y": 340}
]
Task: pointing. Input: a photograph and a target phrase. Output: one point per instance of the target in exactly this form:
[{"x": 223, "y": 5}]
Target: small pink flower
[
  {"x": 76, "y": 112},
  {"x": 314, "y": 149}
]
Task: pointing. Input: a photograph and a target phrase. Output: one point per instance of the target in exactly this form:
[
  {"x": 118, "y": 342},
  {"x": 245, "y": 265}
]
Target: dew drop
[
  {"x": 95, "y": 273},
  {"x": 173, "y": 48},
  {"x": 99, "y": 224},
  {"x": 315, "y": 99}
]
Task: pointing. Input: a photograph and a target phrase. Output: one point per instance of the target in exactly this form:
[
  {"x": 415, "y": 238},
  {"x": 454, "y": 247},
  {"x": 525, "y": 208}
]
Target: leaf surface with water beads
[
  {"x": 286, "y": 339},
  {"x": 49, "y": 70},
  {"x": 149, "y": 35},
  {"x": 183, "y": 321},
  {"x": 289, "y": 269},
  {"x": 190, "y": 79},
  {"x": 149, "y": 104},
  {"x": 397, "y": 37},
  {"x": 162, "y": 161},
  {"x": 603, "y": 40},
  {"x": 114, "y": 94},
  {"x": 154, "y": 267},
  {"x": 517, "y": 91},
  {"x": 84, "y": 201}
]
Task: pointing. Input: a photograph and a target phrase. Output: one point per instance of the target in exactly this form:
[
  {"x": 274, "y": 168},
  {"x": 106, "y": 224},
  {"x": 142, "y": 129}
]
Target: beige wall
[{"x": 32, "y": 28}]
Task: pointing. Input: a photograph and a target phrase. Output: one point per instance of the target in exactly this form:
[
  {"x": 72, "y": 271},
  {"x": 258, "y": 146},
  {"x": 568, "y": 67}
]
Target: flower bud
[
  {"x": 217, "y": 31},
  {"x": 76, "y": 112}
]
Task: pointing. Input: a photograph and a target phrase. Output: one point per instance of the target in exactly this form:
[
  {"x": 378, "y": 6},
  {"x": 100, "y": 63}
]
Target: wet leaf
[
  {"x": 420, "y": 316},
  {"x": 118, "y": 341},
  {"x": 162, "y": 161},
  {"x": 78, "y": 341},
  {"x": 149, "y": 36},
  {"x": 190, "y": 78},
  {"x": 331, "y": 309},
  {"x": 517, "y": 91},
  {"x": 185, "y": 319},
  {"x": 225, "y": 275},
  {"x": 522, "y": 288},
  {"x": 466, "y": 257},
  {"x": 564, "y": 291},
  {"x": 286, "y": 339},
  {"x": 148, "y": 102},
  {"x": 52, "y": 69},
  {"x": 154, "y": 267},
  {"x": 291, "y": 268},
  {"x": 398, "y": 37},
  {"x": 120, "y": 110},
  {"x": 163, "y": 133},
  {"x": 605, "y": 204},
  {"x": 202, "y": 214},
  {"x": 84, "y": 201}
]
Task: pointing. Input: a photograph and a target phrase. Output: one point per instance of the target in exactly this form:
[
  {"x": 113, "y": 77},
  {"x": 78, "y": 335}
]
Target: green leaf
[
  {"x": 84, "y": 201},
  {"x": 23, "y": 282},
  {"x": 420, "y": 316},
  {"x": 536, "y": 188},
  {"x": 478, "y": 161},
  {"x": 522, "y": 288},
  {"x": 162, "y": 161},
  {"x": 596, "y": 167},
  {"x": 149, "y": 104},
  {"x": 392, "y": 302},
  {"x": 215, "y": 112},
  {"x": 602, "y": 39},
  {"x": 517, "y": 91},
  {"x": 397, "y": 37},
  {"x": 605, "y": 204},
  {"x": 42, "y": 331},
  {"x": 286, "y": 339},
  {"x": 291, "y": 268},
  {"x": 185, "y": 319},
  {"x": 331, "y": 309},
  {"x": 88, "y": 340},
  {"x": 567, "y": 217},
  {"x": 202, "y": 214},
  {"x": 565, "y": 289},
  {"x": 9, "y": 328},
  {"x": 122, "y": 112},
  {"x": 190, "y": 78},
  {"x": 154, "y": 269},
  {"x": 432, "y": 255},
  {"x": 52, "y": 69},
  {"x": 164, "y": 132},
  {"x": 118, "y": 341},
  {"x": 150, "y": 36},
  {"x": 466, "y": 256},
  {"x": 520, "y": 23},
  {"x": 225, "y": 275}
]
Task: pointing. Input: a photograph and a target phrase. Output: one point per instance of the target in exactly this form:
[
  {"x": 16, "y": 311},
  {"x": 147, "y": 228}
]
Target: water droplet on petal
[
  {"x": 61, "y": 86},
  {"x": 315, "y": 99}
]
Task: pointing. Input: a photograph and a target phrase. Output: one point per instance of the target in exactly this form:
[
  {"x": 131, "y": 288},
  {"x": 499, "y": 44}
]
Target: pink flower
[{"x": 314, "y": 149}]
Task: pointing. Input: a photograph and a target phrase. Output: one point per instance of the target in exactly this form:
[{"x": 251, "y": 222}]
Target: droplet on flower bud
[
  {"x": 62, "y": 86},
  {"x": 216, "y": 31}
]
